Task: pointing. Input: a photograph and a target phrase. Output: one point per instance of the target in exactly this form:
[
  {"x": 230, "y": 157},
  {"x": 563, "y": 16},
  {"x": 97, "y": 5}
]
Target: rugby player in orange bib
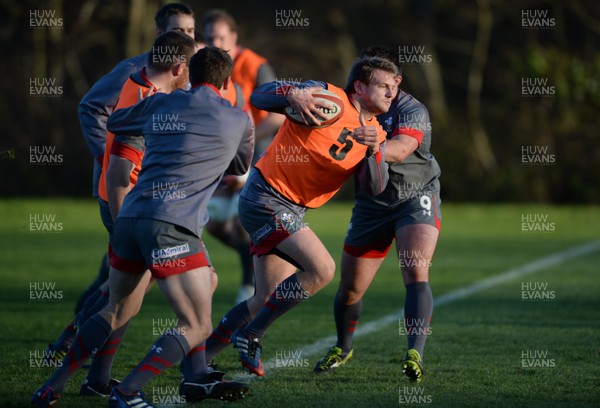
[{"x": 279, "y": 191}]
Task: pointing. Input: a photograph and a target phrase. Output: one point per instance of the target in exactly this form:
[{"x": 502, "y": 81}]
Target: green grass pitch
[{"x": 490, "y": 349}]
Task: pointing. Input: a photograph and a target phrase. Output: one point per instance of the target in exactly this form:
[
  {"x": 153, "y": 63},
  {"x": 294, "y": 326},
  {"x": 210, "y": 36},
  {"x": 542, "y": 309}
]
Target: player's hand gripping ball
[{"x": 329, "y": 109}]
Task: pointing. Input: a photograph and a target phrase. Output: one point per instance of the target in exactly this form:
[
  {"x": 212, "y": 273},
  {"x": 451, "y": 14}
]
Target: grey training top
[
  {"x": 192, "y": 138},
  {"x": 419, "y": 172}
]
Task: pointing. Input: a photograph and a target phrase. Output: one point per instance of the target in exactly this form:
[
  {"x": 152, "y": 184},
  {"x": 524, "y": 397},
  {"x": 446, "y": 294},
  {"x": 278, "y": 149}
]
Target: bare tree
[{"x": 482, "y": 149}]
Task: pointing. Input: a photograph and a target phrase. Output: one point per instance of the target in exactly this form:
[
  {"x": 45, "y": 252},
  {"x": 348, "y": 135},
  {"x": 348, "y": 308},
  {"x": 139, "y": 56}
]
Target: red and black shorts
[
  {"x": 268, "y": 217},
  {"x": 166, "y": 249},
  {"x": 371, "y": 232}
]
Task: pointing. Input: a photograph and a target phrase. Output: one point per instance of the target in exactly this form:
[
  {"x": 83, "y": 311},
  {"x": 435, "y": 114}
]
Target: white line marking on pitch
[{"x": 322, "y": 345}]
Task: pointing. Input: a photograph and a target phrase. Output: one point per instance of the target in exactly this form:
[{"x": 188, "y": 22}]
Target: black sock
[
  {"x": 103, "y": 359},
  {"x": 166, "y": 351},
  {"x": 92, "y": 335},
  {"x": 346, "y": 319},
  {"x": 288, "y": 294},
  {"x": 417, "y": 314},
  {"x": 237, "y": 317}
]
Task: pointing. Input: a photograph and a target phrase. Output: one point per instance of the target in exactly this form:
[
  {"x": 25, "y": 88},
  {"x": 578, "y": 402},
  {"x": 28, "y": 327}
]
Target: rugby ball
[{"x": 327, "y": 116}]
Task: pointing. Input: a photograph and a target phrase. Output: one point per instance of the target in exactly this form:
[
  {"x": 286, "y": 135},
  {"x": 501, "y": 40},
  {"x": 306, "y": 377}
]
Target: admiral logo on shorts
[
  {"x": 160, "y": 256},
  {"x": 261, "y": 232},
  {"x": 170, "y": 252}
]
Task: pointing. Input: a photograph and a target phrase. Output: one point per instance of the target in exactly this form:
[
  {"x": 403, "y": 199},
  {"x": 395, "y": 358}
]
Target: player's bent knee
[
  {"x": 350, "y": 296},
  {"x": 326, "y": 271},
  {"x": 324, "y": 274},
  {"x": 116, "y": 319},
  {"x": 415, "y": 274},
  {"x": 196, "y": 332}
]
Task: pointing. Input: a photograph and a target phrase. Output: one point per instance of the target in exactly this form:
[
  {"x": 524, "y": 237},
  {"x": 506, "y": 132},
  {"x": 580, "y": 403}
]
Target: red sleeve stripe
[
  {"x": 127, "y": 152},
  {"x": 408, "y": 131}
]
